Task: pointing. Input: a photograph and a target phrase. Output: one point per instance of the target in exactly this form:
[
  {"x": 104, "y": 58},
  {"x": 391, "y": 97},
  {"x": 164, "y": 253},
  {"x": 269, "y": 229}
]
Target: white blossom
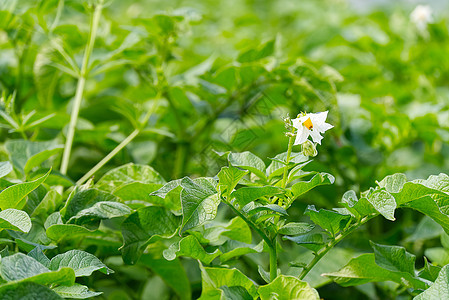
[
  {"x": 312, "y": 124},
  {"x": 421, "y": 16}
]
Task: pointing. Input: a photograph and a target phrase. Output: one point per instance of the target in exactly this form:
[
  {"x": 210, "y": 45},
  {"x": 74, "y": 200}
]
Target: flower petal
[
  {"x": 319, "y": 118},
  {"x": 296, "y": 123},
  {"x": 316, "y": 137},
  {"x": 323, "y": 127},
  {"x": 302, "y": 135}
]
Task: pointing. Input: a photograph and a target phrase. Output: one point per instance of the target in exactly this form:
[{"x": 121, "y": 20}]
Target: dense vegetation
[{"x": 149, "y": 150}]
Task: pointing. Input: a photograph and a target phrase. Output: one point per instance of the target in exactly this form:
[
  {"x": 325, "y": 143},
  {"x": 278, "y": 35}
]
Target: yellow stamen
[{"x": 308, "y": 124}]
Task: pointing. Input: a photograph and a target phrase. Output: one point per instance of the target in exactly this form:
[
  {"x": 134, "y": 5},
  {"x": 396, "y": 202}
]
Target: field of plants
[{"x": 224, "y": 149}]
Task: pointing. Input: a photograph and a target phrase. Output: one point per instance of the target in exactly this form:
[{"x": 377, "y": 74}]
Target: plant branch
[
  {"x": 323, "y": 251},
  {"x": 80, "y": 87},
  {"x": 273, "y": 262},
  {"x": 251, "y": 224},
  {"x": 271, "y": 243},
  {"x": 287, "y": 160},
  {"x": 108, "y": 157},
  {"x": 120, "y": 146}
]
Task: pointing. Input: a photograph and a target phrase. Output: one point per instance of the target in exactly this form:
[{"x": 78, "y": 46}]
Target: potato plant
[{"x": 159, "y": 151}]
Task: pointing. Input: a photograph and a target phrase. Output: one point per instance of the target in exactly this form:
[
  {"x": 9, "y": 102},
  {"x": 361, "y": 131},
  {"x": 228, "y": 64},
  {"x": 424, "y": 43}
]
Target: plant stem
[
  {"x": 251, "y": 224},
  {"x": 108, "y": 157},
  {"x": 120, "y": 146},
  {"x": 287, "y": 160},
  {"x": 180, "y": 159},
  {"x": 323, "y": 251},
  {"x": 270, "y": 243},
  {"x": 273, "y": 262},
  {"x": 58, "y": 15},
  {"x": 80, "y": 87}
]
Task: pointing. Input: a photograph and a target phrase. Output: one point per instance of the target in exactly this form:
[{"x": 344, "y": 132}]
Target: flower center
[{"x": 308, "y": 124}]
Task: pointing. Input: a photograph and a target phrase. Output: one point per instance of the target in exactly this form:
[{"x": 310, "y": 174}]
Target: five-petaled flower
[{"x": 311, "y": 124}]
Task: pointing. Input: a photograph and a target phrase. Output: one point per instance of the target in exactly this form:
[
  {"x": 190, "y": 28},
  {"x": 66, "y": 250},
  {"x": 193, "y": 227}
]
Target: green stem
[
  {"x": 251, "y": 224},
  {"x": 180, "y": 159},
  {"x": 289, "y": 152},
  {"x": 284, "y": 176},
  {"x": 108, "y": 157},
  {"x": 270, "y": 243},
  {"x": 323, "y": 251},
  {"x": 58, "y": 15},
  {"x": 273, "y": 262},
  {"x": 80, "y": 87},
  {"x": 120, "y": 146}
]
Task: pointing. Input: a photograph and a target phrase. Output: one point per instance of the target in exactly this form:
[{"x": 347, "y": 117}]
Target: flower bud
[{"x": 309, "y": 149}]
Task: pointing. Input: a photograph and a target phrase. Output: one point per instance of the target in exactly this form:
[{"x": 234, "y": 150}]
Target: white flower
[
  {"x": 421, "y": 16},
  {"x": 311, "y": 124}
]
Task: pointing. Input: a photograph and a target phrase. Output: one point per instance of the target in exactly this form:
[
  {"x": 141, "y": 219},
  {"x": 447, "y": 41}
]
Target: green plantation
[{"x": 227, "y": 149}]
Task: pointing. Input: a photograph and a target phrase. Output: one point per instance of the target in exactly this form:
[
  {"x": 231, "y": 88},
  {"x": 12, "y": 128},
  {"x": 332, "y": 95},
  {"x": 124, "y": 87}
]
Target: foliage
[{"x": 143, "y": 151}]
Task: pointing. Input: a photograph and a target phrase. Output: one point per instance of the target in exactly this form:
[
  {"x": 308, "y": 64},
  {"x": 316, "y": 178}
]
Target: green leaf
[
  {"x": 190, "y": 247},
  {"x": 438, "y": 255},
  {"x": 235, "y": 292},
  {"x": 91, "y": 206},
  {"x": 384, "y": 203},
  {"x": 329, "y": 220},
  {"x": 172, "y": 272},
  {"x": 51, "y": 202},
  {"x": 60, "y": 232},
  {"x": 83, "y": 263},
  {"x": 14, "y": 196},
  {"x": 126, "y": 174},
  {"x": 287, "y": 287},
  {"x": 26, "y": 155},
  {"x": 429, "y": 207},
  {"x": 214, "y": 278},
  {"x": 276, "y": 168},
  {"x": 394, "y": 258},
  {"x": 268, "y": 208},
  {"x": 27, "y": 290},
  {"x": 393, "y": 183},
  {"x": 5, "y": 168},
  {"x": 144, "y": 226},
  {"x": 20, "y": 267},
  {"x": 415, "y": 190},
  {"x": 429, "y": 271},
  {"x": 262, "y": 51},
  {"x": 440, "y": 288},
  {"x": 170, "y": 194},
  {"x": 363, "y": 269},
  {"x": 265, "y": 275},
  {"x": 245, "y": 195},
  {"x": 76, "y": 291},
  {"x": 232, "y": 249},
  {"x": 199, "y": 200},
  {"x": 438, "y": 182},
  {"x": 14, "y": 219},
  {"x": 140, "y": 191},
  {"x": 238, "y": 230},
  {"x": 248, "y": 161},
  {"x": 35, "y": 237},
  {"x": 357, "y": 207},
  {"x": 38, "y": 255},
  {"x": 303, "y": 187},
  {"x": 425, "y": 230},
  {"x": 229, "y": 177},
  {"x": 217, "y": 233},
  {"x": 312, "y": 241},
  {"x": 336, "y": 259},
  {"x": 295, "y": 228}
]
